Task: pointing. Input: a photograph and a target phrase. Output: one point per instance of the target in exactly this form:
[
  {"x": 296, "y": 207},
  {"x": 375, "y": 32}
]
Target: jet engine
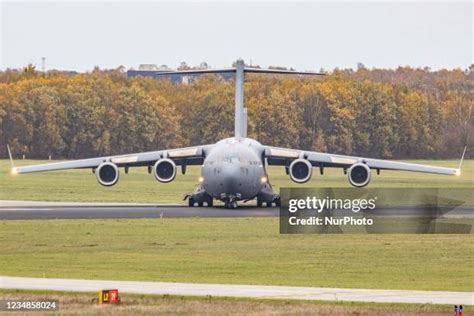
[
  {"x": 300, "y": 170},
  {"x": 359, "y": 175},
  {"x": 107, "y": 174},
  {"x": 165, "y": 170}
]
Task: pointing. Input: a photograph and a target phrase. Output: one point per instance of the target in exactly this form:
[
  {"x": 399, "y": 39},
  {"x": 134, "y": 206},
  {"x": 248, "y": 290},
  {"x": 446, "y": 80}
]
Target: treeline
[{"x": 402, "y": 113}]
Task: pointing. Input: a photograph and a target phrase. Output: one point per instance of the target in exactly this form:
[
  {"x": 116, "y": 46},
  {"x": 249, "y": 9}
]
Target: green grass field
[
  {"x": 139, "y": 186},
  {"x": 234, "y": 250}
]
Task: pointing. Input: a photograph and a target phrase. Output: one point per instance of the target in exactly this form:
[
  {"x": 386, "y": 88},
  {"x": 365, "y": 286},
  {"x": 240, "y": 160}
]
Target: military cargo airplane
[{"x": 234, "y": 169}]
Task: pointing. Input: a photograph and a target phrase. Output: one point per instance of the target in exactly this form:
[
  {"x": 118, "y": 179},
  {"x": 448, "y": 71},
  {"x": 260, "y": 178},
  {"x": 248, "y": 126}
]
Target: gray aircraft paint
[{"x": 233, "y": 169}]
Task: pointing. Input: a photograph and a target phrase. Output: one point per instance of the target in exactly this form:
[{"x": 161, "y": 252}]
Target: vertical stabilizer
[
  {"x": 244, "y": 123},
  {"x": 239, "y": 131}
]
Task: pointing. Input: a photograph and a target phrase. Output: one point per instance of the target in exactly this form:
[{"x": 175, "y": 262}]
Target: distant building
[
  {"x": 151, "y": 70},
  {"x": 148, "y": 67}
]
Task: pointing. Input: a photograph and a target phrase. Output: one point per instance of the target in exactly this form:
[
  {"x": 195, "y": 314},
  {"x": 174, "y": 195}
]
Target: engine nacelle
[
  {"x": 107, "y": 174},
  {"x": 300, "y": 170},
  {"x": 359, "y": 175},
  {"x": 164, "y": 170}
]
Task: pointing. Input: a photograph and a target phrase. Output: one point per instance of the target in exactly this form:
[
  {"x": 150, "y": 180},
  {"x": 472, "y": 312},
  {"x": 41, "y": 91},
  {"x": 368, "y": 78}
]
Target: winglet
[
  {"x": 13, "y": 170},
  {"x": 458, "y": 171}
]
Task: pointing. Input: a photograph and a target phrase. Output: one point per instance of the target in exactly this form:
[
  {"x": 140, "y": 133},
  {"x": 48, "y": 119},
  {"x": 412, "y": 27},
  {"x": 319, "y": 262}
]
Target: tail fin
[
  {"x": 244, "y": 123},
  {"x": 240, "y": 128}
]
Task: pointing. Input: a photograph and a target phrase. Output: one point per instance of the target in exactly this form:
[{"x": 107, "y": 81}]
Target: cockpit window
[{"x": 231, "y": 158}]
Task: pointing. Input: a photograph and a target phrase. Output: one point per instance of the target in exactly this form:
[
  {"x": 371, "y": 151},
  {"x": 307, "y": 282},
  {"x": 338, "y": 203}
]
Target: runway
[
  {"x": 22, "y": 210},
  {"x": 18, "y": 210},
  {"x": 250, "y": 291}
]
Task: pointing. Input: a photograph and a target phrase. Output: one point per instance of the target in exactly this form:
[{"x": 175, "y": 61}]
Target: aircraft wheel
[
  {"x": 233, "y": 205},
  {"x": 190, "y": 201},
  {"x": 278, "y": 202},
  {"x": 259, "y": 202},
  {"x": 210, "y": 202},
  {"x": 200, "y": 204}
]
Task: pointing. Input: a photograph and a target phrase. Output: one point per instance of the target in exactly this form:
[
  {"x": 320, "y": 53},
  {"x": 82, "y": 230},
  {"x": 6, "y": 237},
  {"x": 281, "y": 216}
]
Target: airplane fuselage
[{"x": 234, "y": 169}]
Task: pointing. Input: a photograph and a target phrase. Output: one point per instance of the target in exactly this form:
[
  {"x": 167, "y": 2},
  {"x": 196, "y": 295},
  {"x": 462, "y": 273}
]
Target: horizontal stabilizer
[
  {"x": 233, "y": 70},
  {"x": 282, "y": 72},
  {"x": 195, "y": 72}
]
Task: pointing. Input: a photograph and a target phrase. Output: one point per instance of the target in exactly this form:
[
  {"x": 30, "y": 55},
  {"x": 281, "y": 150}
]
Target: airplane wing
[
  {"x": 284, "y": 156},
  {"x": 180, "y": 156}
]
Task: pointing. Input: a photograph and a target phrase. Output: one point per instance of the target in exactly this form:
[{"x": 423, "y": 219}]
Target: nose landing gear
[
  {"x": 231, "y": 204},
  {"x": 230, "y": 201}
]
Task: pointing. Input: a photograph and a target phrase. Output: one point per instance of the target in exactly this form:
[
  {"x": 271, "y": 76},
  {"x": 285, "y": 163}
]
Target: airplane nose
[{"x": 230, "y": 179}]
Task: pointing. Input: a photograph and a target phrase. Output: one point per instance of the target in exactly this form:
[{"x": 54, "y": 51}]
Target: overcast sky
[{"x": 304, "y": 35}]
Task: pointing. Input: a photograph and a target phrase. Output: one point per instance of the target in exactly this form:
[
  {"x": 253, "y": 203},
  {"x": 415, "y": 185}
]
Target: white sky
[{"x": 304, "y": 35}]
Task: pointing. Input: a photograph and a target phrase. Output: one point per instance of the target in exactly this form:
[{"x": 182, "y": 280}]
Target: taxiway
[{"x": 250, "y": 291}]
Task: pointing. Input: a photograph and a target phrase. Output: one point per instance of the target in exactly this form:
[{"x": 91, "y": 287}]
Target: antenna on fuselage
[{"x": 240, "y": 123}]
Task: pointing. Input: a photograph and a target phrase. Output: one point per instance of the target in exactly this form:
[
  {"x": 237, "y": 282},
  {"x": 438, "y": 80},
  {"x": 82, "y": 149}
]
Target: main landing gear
[
  {"x": 268, "y": 203},
  {"x": 199, "y": 197},
  {"x": 192, "y": 202}
]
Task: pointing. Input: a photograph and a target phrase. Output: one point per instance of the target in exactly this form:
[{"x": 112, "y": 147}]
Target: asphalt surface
[
  {"x": 58, "y": 210},
  {"x": 80, "y": 210},
  {"x": 250, "y": 291}
]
